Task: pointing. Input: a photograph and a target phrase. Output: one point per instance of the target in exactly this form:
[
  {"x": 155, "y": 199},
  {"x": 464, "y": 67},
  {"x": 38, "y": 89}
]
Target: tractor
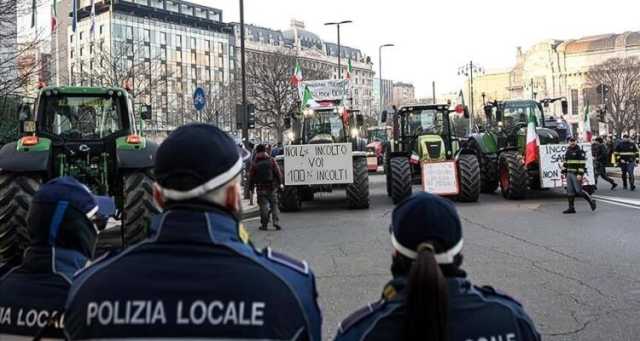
[
  {"x": 377, "y": 137},
  {"x": 87, "y": 133},
  {"x": 325, "y": 128},
  {"x": 500, "y": 145},
  {"x": 424, "y": 134}
]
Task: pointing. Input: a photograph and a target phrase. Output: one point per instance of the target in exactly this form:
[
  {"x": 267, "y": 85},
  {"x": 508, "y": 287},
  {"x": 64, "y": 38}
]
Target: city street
[{"x": 577, "y": 276}]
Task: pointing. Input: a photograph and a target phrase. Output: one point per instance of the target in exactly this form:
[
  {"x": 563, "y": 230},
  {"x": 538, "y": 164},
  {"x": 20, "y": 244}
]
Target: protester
[
  {"x": 265, "y": 175},
  {"x": 601, "y": 159},
  {"x": 199, "y": 276},
  {"x": 429, "y": 297}
]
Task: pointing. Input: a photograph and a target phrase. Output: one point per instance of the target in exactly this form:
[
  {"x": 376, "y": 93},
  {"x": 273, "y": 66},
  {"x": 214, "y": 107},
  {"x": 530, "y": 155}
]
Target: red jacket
[{"x": 277, "y": 174}]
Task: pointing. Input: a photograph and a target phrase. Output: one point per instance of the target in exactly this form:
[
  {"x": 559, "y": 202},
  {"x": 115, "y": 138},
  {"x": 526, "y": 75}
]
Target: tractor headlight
[
  {"x": 500, "y": 124},
  {"x": 308, "y": 112},
  {"x": 354, "y": 132},
  {"x": 291, "y": 135}
]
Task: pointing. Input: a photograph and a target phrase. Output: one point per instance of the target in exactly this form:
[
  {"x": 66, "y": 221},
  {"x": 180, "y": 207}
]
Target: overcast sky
[{"x": 435, "y": 37}]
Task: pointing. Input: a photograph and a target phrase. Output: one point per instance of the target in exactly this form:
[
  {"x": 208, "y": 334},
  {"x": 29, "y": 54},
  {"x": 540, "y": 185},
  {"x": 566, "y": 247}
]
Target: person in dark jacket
[
  {"x": 627, "y": 157},
  {"x": 430, "y": 297},
  {"x": 63, "y": 236},
  {"x": 575, "y": 163},
  {"x": 198, "y": 277},
  {"x": 601, "y": 160},
  {"x": 265, "y": 175}
]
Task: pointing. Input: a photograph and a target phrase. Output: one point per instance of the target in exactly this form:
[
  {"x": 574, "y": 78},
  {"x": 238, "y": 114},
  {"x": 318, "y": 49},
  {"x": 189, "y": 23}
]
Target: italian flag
[
  {"x": 349, "y": 70},
  {"x": 587, "y": 125},
  {"x": 54, "y": 17},
  {"x": 531, "y": 151},
  {"x": 307, "y": 99},
  {"x": 296, "y": 78}
]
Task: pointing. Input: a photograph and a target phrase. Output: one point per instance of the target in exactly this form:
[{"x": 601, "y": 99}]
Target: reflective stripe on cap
[
  {"x": 441, "y": 258},
  {"x": 206, "y": 187}
]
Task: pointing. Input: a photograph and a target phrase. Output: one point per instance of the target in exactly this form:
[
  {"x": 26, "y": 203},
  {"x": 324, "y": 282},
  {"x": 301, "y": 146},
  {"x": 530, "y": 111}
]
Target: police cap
[{"x": 426, "y": 217}]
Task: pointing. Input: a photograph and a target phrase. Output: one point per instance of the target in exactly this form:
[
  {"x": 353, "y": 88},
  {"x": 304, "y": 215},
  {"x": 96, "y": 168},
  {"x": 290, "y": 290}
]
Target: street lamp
[
  {"x": 467, "y": 70},
  {"x": 380, "y": 74},
  {"x": 337, "y": 24},
  {"x": 245, "y": 126}
]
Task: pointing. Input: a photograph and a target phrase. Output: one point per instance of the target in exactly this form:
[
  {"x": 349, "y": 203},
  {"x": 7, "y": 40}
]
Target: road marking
[
  {"x": 633, "y": 202},
  {"x": 612, "y": 202}
]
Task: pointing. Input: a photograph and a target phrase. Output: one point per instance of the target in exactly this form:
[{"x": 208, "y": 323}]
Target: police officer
[
  {"x": 429, "y": 297},
  {"x": 63, "y": 238},
  {"x": 574, "y": 166},
  {"x": 601, "y": 159},
  {"x": 627, "y": 157},
  {"x": 198, "y": 276}
]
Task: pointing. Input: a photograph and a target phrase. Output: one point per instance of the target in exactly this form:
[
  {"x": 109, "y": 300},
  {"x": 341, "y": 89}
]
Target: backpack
[{"x": 264, "y": 171}]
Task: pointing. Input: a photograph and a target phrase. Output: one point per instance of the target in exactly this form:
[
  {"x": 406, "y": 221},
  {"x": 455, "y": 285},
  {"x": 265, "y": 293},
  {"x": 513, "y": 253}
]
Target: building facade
[
  {"x": 387, "y": 93},
  {"x": 314, "y": 53},
  {"x": 403, "y": 94},
  {"x": 556, "y": 68},
  {"x": 161, "y": 49}
]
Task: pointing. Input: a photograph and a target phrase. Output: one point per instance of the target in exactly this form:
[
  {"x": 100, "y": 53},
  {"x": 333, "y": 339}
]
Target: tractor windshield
[
  {"x": 518, "y": 112},
  {"x": 427, "y": 121},
  {"x": 81, "y": 117},
  {"x": 377, "y": 134},
  {"x": 325, "y": 123}
]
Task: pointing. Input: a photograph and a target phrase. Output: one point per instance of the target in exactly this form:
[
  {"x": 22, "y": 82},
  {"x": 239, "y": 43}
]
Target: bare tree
[
  {"x": 268, "y": 86},
  {"x": 622, "y": 76}
]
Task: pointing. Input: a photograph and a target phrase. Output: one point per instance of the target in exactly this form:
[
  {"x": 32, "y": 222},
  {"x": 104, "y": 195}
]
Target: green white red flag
[
  {"x": 296, "y": 78},
  {"x": 533, "y": 141},
  {"x": 54, "y": 17},
  {"x": 349, "y": 70},
  {"x": 587, "y": 125}
]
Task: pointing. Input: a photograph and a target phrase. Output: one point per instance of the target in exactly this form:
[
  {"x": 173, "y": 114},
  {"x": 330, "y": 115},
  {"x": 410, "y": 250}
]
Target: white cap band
[
  {"x": 441, "y": 258},
  {"x": 204, "y": 188}
]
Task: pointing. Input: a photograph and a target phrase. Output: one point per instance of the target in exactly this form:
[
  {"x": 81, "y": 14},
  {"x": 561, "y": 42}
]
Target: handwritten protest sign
[
  {"x": 318, "y": 164},
  {"x": 440, "y": 178},
  {"x": 551, "y": 161}
]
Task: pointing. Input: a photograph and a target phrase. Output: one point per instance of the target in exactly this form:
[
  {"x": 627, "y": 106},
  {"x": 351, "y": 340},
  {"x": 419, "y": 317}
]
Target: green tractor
[
  {"x": 317, "y": 135},
  {"x": 424, "y": 134},
  {"x": 88, "y": 133},
  {"x": 500, "y": 145}
]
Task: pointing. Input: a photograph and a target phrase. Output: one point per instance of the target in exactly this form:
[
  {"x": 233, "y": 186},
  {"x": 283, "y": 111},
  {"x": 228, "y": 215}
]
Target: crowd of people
[{"x": 198, "y": 275}]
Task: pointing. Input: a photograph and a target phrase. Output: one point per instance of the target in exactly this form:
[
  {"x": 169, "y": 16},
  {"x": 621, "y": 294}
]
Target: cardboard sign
[
  {"x": 318, "y": 164},
  {"x": 328, "y": 90},
  {"x": 440, "y": 178},
  {"x": 551, "y": 161}
]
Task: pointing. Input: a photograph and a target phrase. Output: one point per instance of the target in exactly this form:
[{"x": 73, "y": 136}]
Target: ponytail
[{"x": 427, "y": 299}]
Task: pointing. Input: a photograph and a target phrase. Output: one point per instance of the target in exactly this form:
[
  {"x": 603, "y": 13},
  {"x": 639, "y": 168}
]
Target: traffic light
[
  {"x": 239, "y": 117},
  {"x": 603, "y": 114},
  {"x": 251, "y": 116}
]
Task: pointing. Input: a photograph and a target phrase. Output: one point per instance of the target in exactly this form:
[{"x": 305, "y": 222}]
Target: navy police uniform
[
  {"x": 198, "y": 276},
  {"x": 62, "y": 240},
  {"x": 627, "y": 157},
  {"x": 575, "y": 164},
  {"x": 474, "y": 313}
]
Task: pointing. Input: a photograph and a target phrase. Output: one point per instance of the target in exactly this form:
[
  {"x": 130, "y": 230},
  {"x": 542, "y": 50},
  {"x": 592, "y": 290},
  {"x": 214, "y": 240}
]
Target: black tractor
[{"x": 87, "y": 133}]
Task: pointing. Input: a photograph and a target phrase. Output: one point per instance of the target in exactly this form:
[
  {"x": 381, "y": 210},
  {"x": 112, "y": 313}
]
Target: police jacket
[
  {"x": 34, "y": 294},
  {"x": 475, "y": 313},
  {"x": 627, "y": 151},
  {"x": 600, "y": 153},
  {"x": 575, "y": 160},
  {"x": 197, "y": 277}
]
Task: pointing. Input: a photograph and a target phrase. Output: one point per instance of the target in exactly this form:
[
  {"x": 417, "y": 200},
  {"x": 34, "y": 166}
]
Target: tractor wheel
[
  {"x": 488, "y": 173},
  {"x": 400, "y": 176},
  {"x": 16, "y": 192},
  {"x": 306, "y": 194},
  {"x": 469, "y": 177},
  {"x": 387, "y": 172},
  {"x": 513, "y": 176},
  {"x": 358, "y": 191},
  {"x": 289, "y": 199},
  {"x": 139, "y": 206}
]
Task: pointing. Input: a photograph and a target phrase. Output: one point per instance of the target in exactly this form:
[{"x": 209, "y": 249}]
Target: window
[
  {"x": 71, "y": 39},
  {"x": 172, "y": 6},
  {"x": 178, "y": 40},
  {"x": 208, "y": 45},
  {"x": 81, "y": 35},
  {"x": 101, "y": 29},
  {"x": 128, "y": 32},
  {"x": 179, "y": 56},
  {"x": 163, "y": 38},
  {"x": 574, "y": 101},
  {"x": 193, "y": 43},
  {"x": 146, "y": 35},
  {"x": 81, "y": 51},
  {"x": 193, "y": 58},
  {"x": 76, "y": 117}
]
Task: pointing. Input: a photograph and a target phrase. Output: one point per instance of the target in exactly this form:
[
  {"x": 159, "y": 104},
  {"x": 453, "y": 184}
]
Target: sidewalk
[{"x": 250, "y": 211}]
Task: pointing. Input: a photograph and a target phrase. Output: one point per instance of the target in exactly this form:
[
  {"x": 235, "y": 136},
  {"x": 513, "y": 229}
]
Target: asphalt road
[{"x": 577, "y": 276}]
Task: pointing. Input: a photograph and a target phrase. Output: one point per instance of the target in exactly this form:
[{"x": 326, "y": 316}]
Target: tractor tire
[
  {"x": 488, "y": 174},
  {"x": 306, "y": 194},
  {"x": 289, "y": 199},
  {"x": 358, "y": 191},
  {"x": 139, "y": 207},
  {"x": 469, "y": 178},
  {"x": 387, "y": 172},
  {"x": 400, "y": 176},
  {"x": 16, "y": 192},
  {"x": 513, "y": 176}
]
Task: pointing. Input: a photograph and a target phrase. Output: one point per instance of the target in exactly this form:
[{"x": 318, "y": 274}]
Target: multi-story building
[
  {"x": 161, "y": 49},
  {"x": 387, "y": 93},
  {"x": 403, "y": 94},
  {"x": 8, "y": 44},
  {"x": 556, "y": 68},
  {"x": 314, "y": 53}
]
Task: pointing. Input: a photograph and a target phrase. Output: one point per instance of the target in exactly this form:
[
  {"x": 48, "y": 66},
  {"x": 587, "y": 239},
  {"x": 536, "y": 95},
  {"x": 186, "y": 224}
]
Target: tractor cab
[{"x": 332, "y": 125}]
